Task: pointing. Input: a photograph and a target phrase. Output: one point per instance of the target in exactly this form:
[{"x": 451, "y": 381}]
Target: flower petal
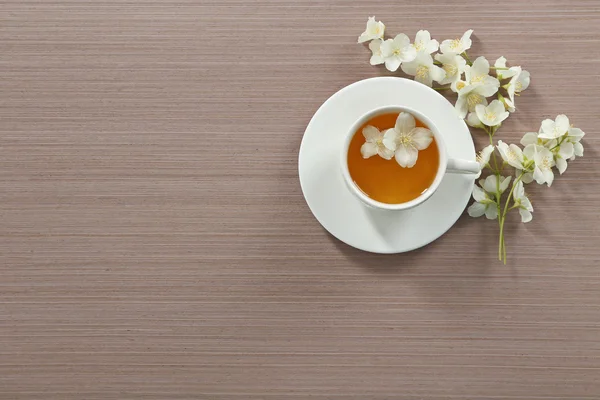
[
  {"x": 529, "y": 138},
  {"x": 504, "y": 183},
  {"x": 466, "y": 40},
  {"x": 436, "y": 73},
  {"x": 489, "y": 184},
  {"x": 392, "y": 63},
  {"x": 405, "y": 122},
  {"x": 525, "y": 215},
  {"x": 371, "y": 133},
  {"x": 481, "y": 66},
  {"x": 561, "y": 124},
  {"x": 491, "y": 211},
  {"x": 478, "y": 194},
  {"x": 483, "y": 157},
  {"x": 385, "y": 153},
  {"x": 421, "y": 138},
  {"x": 524, "y": 79},
  {"x": 518, "y": 191},
  {"x": 476, "y": 210},
  {"x": 461, "y": 106},
  {"x": 408, "y": 54},
  {"x": 432, "y": 46},
  {"x": 487, "y": 90},
  {"x": 576, "y": 134},
  {"x": 561, "y": 165},
  {"x": 387, "y": 48},
  {"x": 406, "y": 156},
  {"x": 566, "y": 150},
  {"x": 526, "y": 178},
  {"x": 578, "y": 149},
  {"x": 547, "y": 129},
  {"x": 548, "y": 177},
  {"x": 473, "y": 120},
  {"x": 401, "y": 40},
  {"x": 529, "y": 151},
  {"x": 368, "y": 149},
  {"x": 390, "y": 138}
]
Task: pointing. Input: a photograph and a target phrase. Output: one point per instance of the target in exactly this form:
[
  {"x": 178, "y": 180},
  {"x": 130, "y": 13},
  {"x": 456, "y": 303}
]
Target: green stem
[
  {"x": 559, "y": 143},
  {"x": 502, "y": 217},
  {"x": 499, "y": 68},
  {"x": 466, "y": 57}
]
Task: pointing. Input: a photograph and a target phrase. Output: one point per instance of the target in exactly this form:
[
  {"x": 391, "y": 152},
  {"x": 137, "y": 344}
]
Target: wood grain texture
[{"x": 155, "y": 244}]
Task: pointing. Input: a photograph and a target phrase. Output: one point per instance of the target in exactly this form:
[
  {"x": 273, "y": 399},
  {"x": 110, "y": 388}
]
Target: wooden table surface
[{"x": 155, "y": 244}]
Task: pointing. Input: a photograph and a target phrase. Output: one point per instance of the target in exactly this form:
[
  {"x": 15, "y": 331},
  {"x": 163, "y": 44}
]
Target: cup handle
[{"x": 458, "y": 166}]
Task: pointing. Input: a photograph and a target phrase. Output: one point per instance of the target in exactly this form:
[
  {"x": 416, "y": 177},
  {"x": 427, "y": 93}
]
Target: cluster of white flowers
[
  {"x": 470, "y": 80},
  {"x": 556, "y": 142}
]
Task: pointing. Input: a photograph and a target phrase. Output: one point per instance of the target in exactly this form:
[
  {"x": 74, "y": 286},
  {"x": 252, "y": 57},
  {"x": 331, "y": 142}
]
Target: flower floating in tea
[
  {"x": 405, "y": 140},
  {"x": 374, "y": 144},
  {"x": 556, "y": 142}
]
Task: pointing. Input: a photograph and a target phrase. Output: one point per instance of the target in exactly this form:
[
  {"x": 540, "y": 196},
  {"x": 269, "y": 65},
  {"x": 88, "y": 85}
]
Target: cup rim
[{"x": 394, "y": 206}]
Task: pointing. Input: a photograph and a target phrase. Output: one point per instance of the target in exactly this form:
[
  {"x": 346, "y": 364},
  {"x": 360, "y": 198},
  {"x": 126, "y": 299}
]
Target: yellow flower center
[
  {"x": 418, "y": 46},
  {"x": 518, "y": 87},
  {"x": 546, "y": 164},
  {"x": 460, "y": 85},
  {"x": 405, "y": 140},
  {"x": 477, "y": 79},
  {"x": 455, "y": 44},
  {"x": 422, "y": 71},
  {"x": 511, "y": 155},
  {"x": 397, "y": 51},
  {"x": 473, "y": 99},
  {"x": 490, "y": 116},
  {"x": 450, "y": 69}
]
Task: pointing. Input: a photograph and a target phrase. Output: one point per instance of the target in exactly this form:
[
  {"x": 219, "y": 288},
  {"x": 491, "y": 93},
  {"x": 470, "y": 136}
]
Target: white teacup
[{"x": 446, "y": 164}]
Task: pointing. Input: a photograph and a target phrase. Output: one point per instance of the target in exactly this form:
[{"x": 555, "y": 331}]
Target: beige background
[{"x": 154, "y": 241}]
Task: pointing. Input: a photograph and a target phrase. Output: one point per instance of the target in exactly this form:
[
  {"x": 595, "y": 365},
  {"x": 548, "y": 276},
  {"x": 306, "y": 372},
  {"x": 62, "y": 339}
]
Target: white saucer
[{"x": 339, "y": 211}]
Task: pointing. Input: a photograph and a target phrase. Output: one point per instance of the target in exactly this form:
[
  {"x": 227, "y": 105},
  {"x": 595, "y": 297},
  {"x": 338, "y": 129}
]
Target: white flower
[
  {"x": 405, "y": 140},
  {"x": 374, "y": 144},
  {"x": 423, "y": 70},
  {"x": 519, "y": 82},
  {"x": 473, "y": 120},
  {"x": 457, "y": 45},
  {"x": 375, "y": 47},
  {"x": 453, "y": 65},
  {"x": 544, "y": 161},
  {"x": 483, "y": 157},
  {"x": 471, "y": 95},
  {"x": 374, "y": 30},
  {"x": 522, "y": 201},
  {"x": 424, "y": 44},
  {"x": 562, "y": 153},
  {"x": 493, "y": 114},
  {"x": 457, "y": 85},
  {"x": 479, "y": 72},
  {"x": 502, "y": 73},
  {"x": 554, "y": 129},
  {"x": 396, "y": 51},
  {"x": 574, "y": 136},
  {"x": 512, "y": 154},
  {"x": 485, "y": 202}
]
